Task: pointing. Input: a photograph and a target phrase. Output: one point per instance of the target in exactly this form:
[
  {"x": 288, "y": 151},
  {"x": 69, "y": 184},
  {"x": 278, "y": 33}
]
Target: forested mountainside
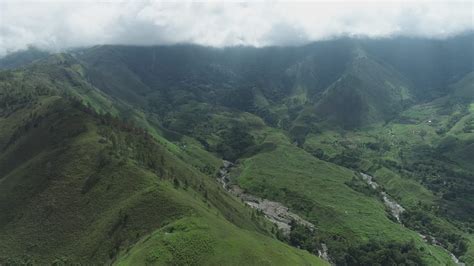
[{"x": 110, "y": 154}]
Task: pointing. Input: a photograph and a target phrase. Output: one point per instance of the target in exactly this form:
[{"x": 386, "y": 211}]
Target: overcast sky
[{"x": 57, "y": 25}]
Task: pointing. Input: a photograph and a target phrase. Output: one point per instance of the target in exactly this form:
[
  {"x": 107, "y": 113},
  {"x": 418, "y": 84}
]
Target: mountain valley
[{"x": 114, "y": 154}]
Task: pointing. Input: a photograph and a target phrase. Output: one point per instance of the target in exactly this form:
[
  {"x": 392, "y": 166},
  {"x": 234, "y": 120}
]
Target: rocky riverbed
[
  {"x": 274, "y": 211},
  {"x": 395, "y": 209}
]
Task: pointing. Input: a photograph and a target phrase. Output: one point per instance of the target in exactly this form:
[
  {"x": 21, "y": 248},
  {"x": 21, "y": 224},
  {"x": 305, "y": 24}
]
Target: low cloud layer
[{"x": 57, "y": 25}]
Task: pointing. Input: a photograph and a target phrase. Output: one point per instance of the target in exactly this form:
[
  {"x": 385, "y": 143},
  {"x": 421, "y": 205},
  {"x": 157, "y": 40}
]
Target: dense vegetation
[
  {"x": 88, "y": 186},
  {"x": 109, "y": 154}
]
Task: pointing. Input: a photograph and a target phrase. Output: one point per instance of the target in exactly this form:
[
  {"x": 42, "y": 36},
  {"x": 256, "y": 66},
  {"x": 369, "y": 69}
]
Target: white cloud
[{"x": 63, "y": 24}]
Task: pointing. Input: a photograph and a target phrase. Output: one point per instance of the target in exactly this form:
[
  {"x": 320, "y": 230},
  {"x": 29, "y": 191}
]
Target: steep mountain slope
[
  {"x": 81, "y": 187},
  {"x": 366, "y": 93},
  {"x": 233, "y": 77},
  {"x": 353, "y": 83},
  {"x": 438, "y": 62}
]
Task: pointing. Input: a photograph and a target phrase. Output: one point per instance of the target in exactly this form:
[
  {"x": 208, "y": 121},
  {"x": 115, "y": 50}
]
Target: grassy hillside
[
  {"x": 211, "y": 241},
  {"x": 87, "y": 187},
  {"x": 320, "y": 192},
  {"x": 422, "y": 159}
]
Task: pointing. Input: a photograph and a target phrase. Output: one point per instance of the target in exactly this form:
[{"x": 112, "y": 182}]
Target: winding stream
[
  {"x": 396, "y": 210},
  {"x": 281, "y": 216}
]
